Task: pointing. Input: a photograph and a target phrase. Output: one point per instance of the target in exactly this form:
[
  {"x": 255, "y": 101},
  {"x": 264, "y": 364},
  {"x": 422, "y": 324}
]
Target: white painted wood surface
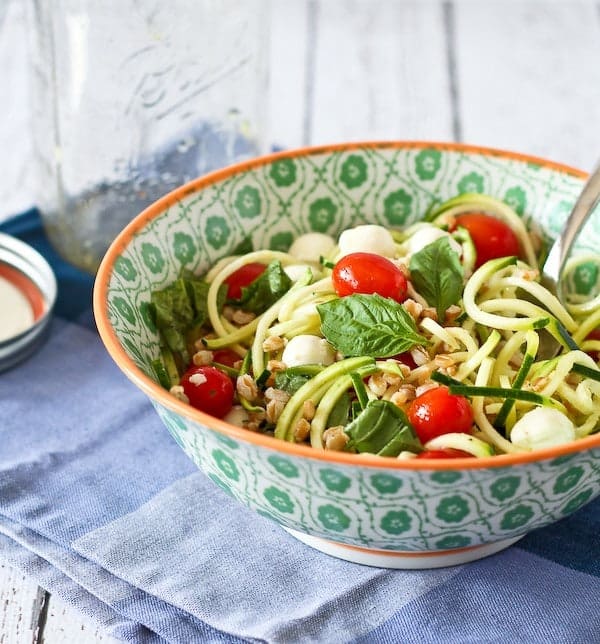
[
  {"x": 528, "y": 77},
  {"x": 520, "y": 75},
  {"x": 64, "y": 626},
  {"x": 17, "y": 597}
]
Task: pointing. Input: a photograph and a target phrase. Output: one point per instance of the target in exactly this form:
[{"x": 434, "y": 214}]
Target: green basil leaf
[
  {"x": 174, "y": 314},
  {"x": 291, "y": 379},
  {"x": 265, "y": 290},
  {"x": 340, "y": 412},
  {"x": 172, "y": 305},
  {"x": 198, "y": 293},
  {"x": 368, "y": 325},
  {"x": 437, "y": 275},
  {"x": 244, "y": 247},
  {"x": 382, "y": 428}
]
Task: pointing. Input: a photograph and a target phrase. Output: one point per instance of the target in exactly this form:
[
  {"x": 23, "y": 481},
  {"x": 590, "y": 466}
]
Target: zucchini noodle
[
  {"x": 492, "y": 334},
  {"x": 589, "y": 323},
  {"x": 586, "y": 305},
  {"x": 485, "y": 427},
  {"x": 228, "y": 269},
  {"x": 304, "y": 295},
  {"x": 477, "y": 358},
  {"x": 482, "y": 203},
  {"x": 265, "y": 321},
  {"x": 325, "y": 407}
]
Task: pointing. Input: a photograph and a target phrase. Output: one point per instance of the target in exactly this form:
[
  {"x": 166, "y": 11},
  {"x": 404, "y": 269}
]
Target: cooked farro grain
[
  {"x": 414, "y": 309},
  {"x": 177, "y": 391},
  {"x": 275, "y": 365},
  {"x": 246, "y": 387},
  {"x": 421, "y": 389},
  {"x": 308, "y": 409},
  {"x": 202, "y": 357},
  {"x": 377, "y": 384},
  {"x": 277, "y": 394},
  {"x": 242, "y": 317},
  {"x": 420, "y": 356},
  {"x": 273, "y": 343},
  {"x": 429, "y": 312},
  {"x": 335, "y": 438},
  {"x": 451, "y": 313},
  {"x": 273, "y": 410},
  {"x": 302, "y": 430},
  {"x": 405, "y": 394}
]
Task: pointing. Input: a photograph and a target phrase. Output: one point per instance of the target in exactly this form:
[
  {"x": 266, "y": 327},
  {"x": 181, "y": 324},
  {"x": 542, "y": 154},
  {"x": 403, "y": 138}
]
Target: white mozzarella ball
[
  {"x": 406, "y": 455},
  {"x": 308, "y": 349},
  {"x": 237, "y": 416},
  {"x": 297, "y": 271},
  {"x": 369, "y": 238},
  {"x": 427, "y": 235},
  {"x": 311, "y": 247},
  {"x": 542, "y": 427}
]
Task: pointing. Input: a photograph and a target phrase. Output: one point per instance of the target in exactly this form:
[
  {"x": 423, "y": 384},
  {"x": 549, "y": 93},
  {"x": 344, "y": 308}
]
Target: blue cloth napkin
[{"x": 102, "y": 508}]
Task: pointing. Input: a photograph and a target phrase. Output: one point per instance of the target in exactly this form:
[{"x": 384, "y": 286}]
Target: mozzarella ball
[
  {"x": 406, "y": 455},
  {"x": 367, "y": 239},
  {"x": 297, "y": 271},
  {"x": 308, "y": 349},
  {"x": 311, "y": 247},
  {"x": 542, "y": 427},
  {"x": 427, "y": 235},
  {"x": 237, "y": 416}
]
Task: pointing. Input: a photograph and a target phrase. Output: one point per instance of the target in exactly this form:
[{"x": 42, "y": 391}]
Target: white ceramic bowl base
[{"x": 403, "y": 560}]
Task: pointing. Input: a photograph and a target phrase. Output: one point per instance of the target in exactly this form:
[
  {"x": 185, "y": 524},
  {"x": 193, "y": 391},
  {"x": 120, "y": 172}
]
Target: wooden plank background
[{"x": 520, "y": 75}]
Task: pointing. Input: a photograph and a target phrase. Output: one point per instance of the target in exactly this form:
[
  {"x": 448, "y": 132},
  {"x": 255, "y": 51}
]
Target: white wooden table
[{"x": 520, "y": 75}]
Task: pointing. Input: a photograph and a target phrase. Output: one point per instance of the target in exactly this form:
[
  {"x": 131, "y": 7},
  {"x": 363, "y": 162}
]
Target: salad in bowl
[{"x": 429, "y": 341}]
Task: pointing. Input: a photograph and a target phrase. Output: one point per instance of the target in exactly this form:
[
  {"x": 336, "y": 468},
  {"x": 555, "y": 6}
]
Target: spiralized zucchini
[{"x": 507, "y": 343}]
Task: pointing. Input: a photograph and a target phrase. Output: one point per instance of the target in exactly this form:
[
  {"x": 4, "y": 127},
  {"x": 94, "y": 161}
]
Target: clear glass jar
[{"x": 132, "y": 98}]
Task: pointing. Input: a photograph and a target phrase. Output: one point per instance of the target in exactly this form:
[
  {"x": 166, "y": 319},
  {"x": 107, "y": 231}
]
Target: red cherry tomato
[
  {"x": 594, "y": 335},
  {"x": 368, "y": 273},
  {"x": 438, "y": 412},
  {"x": 209, "y": 389},
  {"x": 226, "y": 357},
  {"x": 491, "y": 236},
  {"x": 406, "y": 359},
  {"x": 241, "y": 278},
  {"x": 447, "y": 452}
]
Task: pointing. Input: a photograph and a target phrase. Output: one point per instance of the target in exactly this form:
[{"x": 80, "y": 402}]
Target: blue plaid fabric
[{"x": 102, "y": 508}]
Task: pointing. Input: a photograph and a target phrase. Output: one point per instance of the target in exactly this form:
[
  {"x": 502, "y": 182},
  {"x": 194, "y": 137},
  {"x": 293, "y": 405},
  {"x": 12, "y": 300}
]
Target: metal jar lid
[{"x": 27, "y": 296}]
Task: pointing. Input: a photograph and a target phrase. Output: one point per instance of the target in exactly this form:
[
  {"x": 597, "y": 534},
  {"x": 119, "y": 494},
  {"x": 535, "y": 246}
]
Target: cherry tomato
[
  {"x": 406, "y": 359},
  {"x": 227, "y": 357},
  {"x": 368, "y": 273},
  {"x": 447, "y": 452},
  {"x": 438, "y": 412},
  {"x": 241, "y": 278},
  {"x": 594, "y": 335},
  {"x": 491, "y": 236},
  {"x": 209, "y": 389}
]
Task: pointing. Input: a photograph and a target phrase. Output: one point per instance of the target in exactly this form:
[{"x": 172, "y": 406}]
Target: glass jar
[{"x": 134, "y": 97}]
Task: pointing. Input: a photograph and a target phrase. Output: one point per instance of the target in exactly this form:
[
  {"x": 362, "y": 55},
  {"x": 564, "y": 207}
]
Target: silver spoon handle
[{"x": 583, "y": 208}]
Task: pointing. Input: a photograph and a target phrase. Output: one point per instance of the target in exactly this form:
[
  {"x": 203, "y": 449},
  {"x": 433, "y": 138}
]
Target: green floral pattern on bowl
[
  {"x": 382, "y": 508},
  {"x": 267, "y": 205}
]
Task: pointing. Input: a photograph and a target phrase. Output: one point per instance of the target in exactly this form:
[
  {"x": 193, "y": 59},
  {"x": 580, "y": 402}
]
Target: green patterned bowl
[{"x": 385, "y": 512}]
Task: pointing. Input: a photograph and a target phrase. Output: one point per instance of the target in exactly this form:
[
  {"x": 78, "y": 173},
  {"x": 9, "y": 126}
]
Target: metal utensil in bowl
[
  {"x": 587, "y": 201},
  {"x": 554, "y": 265}
]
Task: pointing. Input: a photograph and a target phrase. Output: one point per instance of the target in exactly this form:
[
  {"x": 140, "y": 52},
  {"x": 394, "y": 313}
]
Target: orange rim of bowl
[{"x": 164, "y": 398}]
